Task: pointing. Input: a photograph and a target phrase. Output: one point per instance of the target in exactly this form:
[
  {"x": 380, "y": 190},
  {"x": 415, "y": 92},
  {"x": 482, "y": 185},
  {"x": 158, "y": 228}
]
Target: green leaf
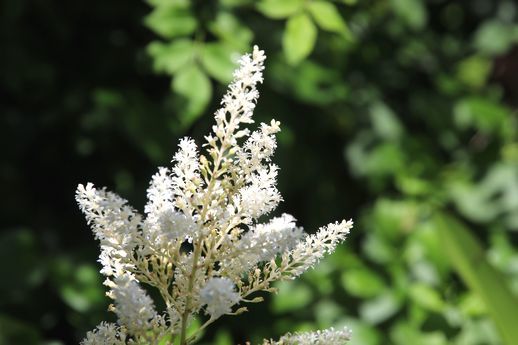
[
  {"x": 192, "y": 328},
  {"x": 392, "y": 220},
  {"x": 408, "y": 334},
  {"x": 165, "y": 340},
  {"x": 223, "y": 337},
  {"x": 495, "y": 37},
  {"x": 478, "y": 331},
  {"x": 385, "y": 122},
  {"x": 235, "y": 3},
  {"x": 169, "y": 58},
  {"x": 321, "y": 279},
  {"x": 229, "y": 29},
  {"x": 81, "y": 288},
  {"x": 216, "y": 59},
  {"x": 291, "y": 296},
  {"x": 382, "y": 160},
  {"x": 426, "y": 240},
  {"x": 327, "y": 311},
  {"x": 493, "y": 197},
  {"x": 362, "y": 283},
  {"x": 310, "y": 82},
  {"x": 474, "y": 71},
  {"x": 469, "y": 259},
  {"x": 299, "y": 38},
  {"x": 170, "y": 3},
  {"x": 364, "y": 334},
  {"x": 471, "y": 304},
  {"x": 426, "y": 297},
  {"x": 378, "y": 249},
  {"x": 484, "y": 114},
  {"x": 195, "y": 86},
  {"x": 380, "y": 308},
  {"x": 278, "y": 9},
  {"x": 170, "y": 22},
  {"x": 328, "y": 18},
  {"x": 413, "y": 12}
]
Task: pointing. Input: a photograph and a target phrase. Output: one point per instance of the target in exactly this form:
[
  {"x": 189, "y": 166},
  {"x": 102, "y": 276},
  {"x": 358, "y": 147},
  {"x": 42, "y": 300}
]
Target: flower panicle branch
[{"x": 200, "y": 242}]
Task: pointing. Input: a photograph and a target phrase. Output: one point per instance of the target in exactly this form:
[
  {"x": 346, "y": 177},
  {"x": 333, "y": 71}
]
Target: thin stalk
[
  {"x": 197, "y": 252},
  {"x": 195, "y": 335},
  {"x": 185, "y": 315},
  {"x": 198, "y": 245}
]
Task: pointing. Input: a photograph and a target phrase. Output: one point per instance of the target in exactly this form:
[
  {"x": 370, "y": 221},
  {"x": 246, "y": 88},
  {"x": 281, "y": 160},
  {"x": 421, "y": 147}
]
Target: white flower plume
[
  {"x": 105, "y": 334},
  {"x": 201, "y": 244},
  {"x": 313, "y": 248},
  {"x": 133, "y": 306},
  {"x": 326, "y": 337},
  {"x": 114, "y": 223},
  {"x": 219, "y": 295}
]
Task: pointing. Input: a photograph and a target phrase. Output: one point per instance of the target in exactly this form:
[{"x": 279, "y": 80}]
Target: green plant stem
[
  {"x": 185, "y": 315},
  {"x": 197, "y": 251},
  {"x": 208, "y": 322}
]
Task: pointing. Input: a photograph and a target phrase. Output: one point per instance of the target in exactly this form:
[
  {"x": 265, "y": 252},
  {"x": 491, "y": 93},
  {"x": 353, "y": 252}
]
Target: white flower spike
[
  {"x": 200, "y": 244},
  {"x": 326, "y": 337}
]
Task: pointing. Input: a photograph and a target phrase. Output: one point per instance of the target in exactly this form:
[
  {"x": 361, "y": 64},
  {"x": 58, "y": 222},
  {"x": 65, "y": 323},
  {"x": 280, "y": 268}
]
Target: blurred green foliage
[{"x": 400, "y": 114}]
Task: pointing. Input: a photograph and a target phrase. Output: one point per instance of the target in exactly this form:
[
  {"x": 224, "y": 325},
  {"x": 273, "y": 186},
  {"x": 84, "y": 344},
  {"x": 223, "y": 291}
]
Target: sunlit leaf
[
  {"x": 299, "y": 38},
  {"x": 474, "y": 71},
  {"x": 170, "y": 22},
  {"x": 170, "y": 3},
  {"x": 468, "y": 257},
  {"x": 327, "y": 312},
  {"x": 193, "y": 327},
  {"x": 380, "y": 308},
  {"x": 235, "y": 3},
  {"x": 478, "y": 331},
  {"x": 322, "y": 278},
  {"x": 170, "y": 57},
  {"x": 495, "y": 37},
  {"x": 223, "y": 337},
  {"x": 413, "y": 12},
  {"x": 378, "y": 249},
  {"x": 216, "y": 59},
  {"x": 291, "y": 296},
  {"x": 494, "y": 196},
  {"x": 471, "y": 304},
  {"x": 328, "y": 18},
  {"x": 165, "y": 340},
  {"x": 364, "y": 334},
  {"x": 362, "y": 283},
  {"x": 385, "y": 122},
  {"x": 80, "y": 287},
  {"x": 409, "y": 334},
  {"x": 195, "y": 87},
  {"x": 228, "y": 28},
  {"x": 426, "y": 297},
  {"x": 382, "y": 160},
  {"x": 279, "y": 9},
  {"x": 483, "y": 114}
]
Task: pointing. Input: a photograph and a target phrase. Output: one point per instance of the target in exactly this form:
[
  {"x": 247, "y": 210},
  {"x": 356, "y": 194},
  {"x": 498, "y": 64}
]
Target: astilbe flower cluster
[{"x": 200, "y": 243}]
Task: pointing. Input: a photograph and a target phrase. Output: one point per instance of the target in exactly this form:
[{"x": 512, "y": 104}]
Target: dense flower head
[
  {"x": 201, "y": 242},
  {"x": 105, "y": 334},
  {"x": 134, "y": 308},
  {"x": 326, "y": 337},
  {"x": 219, "y": 295}
]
